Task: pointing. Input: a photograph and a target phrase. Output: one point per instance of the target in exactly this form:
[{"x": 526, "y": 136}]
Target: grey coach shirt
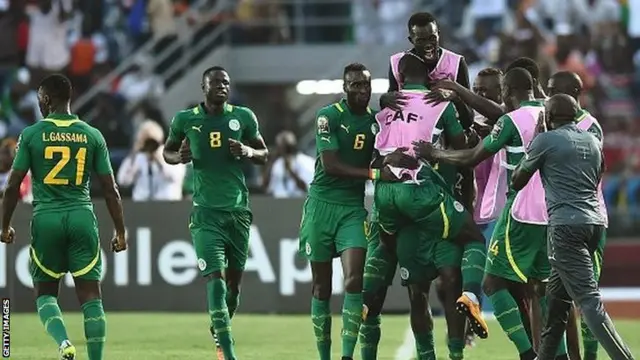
[{"x": 569, "y": 160}]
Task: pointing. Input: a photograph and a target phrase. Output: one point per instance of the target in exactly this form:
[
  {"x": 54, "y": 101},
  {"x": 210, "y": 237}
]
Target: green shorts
[
  {"x": 380, "y": 267},
  {"x": 430, "y": 206},
  {"x": 328, "y": 229},
  {"x": 599, "y": 255},
  {"x": 64, "y": 242},
  {"x": 421, "y": 257},
  {"x": 517, "y": 251},
  {"x": 220, "y": 238}
]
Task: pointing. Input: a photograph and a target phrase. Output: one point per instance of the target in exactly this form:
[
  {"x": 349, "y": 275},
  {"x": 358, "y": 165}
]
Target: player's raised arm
[
  {"x": 176, "y": 148},
  {"x": 19, "y": 169},
  {"x": 465, "y": 112},
  {"x": 255, "y": 148},
  {"x": 110, "y": 190},
  {"x": 484, "y": 106}
]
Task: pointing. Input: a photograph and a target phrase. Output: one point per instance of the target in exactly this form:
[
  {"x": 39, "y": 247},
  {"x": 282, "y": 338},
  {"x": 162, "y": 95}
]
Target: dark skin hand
[
  {"x": 461, "y": 158},
  {"x": 485, "y": 107},
  {"x": 114, "y": 205}
]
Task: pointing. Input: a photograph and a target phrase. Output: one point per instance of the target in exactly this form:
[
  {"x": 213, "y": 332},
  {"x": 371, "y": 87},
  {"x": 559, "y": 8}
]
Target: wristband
[
  {"x": 249, "y": 152},
  {"x": 374, "y": 174}
]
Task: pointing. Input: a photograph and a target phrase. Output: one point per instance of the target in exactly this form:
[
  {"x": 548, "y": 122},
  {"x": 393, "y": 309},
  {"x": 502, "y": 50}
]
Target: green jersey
[
  {"x": 352, "y": 136},
  {"x": 218, "y": 177},
  {"x": 506, "y": 135},
  {"x": 61, "y": 151}
]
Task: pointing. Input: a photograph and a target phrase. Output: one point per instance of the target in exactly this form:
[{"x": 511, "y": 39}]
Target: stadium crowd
[{"x": 598, "y": 39}]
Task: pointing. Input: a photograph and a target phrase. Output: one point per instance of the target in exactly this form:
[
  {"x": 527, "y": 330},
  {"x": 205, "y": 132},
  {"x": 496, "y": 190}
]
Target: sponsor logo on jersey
[
  {"x": 234, "y": 125},
  {"x": 197, "y": 128}
]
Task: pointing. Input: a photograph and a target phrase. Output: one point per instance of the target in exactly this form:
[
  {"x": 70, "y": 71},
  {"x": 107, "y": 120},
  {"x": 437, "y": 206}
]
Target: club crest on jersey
[
  {"x": 374, "y": 128},
  {"x": 307, "y": 249},
  {"x": 323, "y": 124},
  {"x": 458, "y": 206},
  {"x": 202, "y": 264},
  {"x": 404, "y": 273},
  {"x": 234, "y": 125}
]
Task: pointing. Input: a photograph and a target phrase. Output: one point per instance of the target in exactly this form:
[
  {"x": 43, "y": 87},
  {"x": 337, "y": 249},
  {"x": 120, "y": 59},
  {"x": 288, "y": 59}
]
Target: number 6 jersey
[{"x": 61, "y": 151}]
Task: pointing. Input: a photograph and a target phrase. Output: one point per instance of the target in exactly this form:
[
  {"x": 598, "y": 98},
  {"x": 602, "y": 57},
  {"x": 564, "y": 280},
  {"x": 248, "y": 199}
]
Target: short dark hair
[
  {"x": 528, "y": 64},
  {"x": 211, "y": 70},
  {"x": 411, "y": 65},
  {"x": 421, "y": 19},
  {"x": 57, "y": 87},
  {"x": 490, "y": 71},
  {"x": 570, "y": 78},
  {"x": 519, "y": 79},
  {"x": 354, "y": 67}
]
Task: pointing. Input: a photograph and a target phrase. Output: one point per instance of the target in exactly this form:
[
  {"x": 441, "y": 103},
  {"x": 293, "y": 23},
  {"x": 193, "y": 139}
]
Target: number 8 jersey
[{"x": 61, "y": 151}]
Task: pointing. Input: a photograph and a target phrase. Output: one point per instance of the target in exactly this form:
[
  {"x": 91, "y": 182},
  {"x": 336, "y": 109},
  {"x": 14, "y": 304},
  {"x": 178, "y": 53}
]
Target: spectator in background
[
  {"x": 7, "y": 154},
  {"x": 83, "y": 59},
  {"x": 140, "y": 83},
  {"x": 291, "y": 171},
  {"x": 163, "y": 30},
  {"x": 47, "y": 50},
  {"x": 145, "y": 169},
  {"x": 20, "y": 103},
  {"x": 110, "y": 118},
  {"x": 10, "y": 17}
]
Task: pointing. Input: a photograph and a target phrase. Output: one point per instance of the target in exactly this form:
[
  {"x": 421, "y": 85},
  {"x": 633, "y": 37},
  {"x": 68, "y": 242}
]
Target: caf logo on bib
[
  {"x": 202, "y": 264},
  {"x": 307, "y": 249},
  {"x": 458, "y": 206},
  {"x": 234, "y": 124},
  {"x": 404, "y": 273}
]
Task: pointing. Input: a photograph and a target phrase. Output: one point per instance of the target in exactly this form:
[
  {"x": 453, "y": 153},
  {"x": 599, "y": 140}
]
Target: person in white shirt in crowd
[
  {"x": 145, "y": 169},
  {"x": 140, "y": 83},
  {"x": 48, "y": 50},
  {"x": 291, "y": 171}
]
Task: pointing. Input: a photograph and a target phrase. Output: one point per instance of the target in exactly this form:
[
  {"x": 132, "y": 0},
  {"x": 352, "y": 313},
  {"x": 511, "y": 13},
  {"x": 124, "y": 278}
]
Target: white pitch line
[{"x": 407, "y": 350}]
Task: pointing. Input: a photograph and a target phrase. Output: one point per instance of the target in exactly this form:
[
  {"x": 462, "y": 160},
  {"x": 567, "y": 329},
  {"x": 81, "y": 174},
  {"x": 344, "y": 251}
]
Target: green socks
[
  {"x": 456, "y": 349},
  {"x": 589, "y": 342},
  {"x": 51, "y": 318},
  {"x": 507, "y": 313},
  {"x": 321, "y": 318},
  {"x": 424, "y": 345},
  {"x": 95, "y": 328},
  {"x": 219, "y": 314},
  {"x": 233, "y": 300},
  {"x": 370, "y": 338},
  {"x": 544, "y": 305},
  {"x": 473, "y": 262},
  {"x": 351, "y": 320}
]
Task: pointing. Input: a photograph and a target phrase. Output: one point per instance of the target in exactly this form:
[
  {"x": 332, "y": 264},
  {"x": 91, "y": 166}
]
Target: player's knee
[
  {"x": 353, "y": 283},
  {"x": 491, "y": 285},
  {"x": 450, "y": 280},
  {"x": 321, "y": 291},
  {"x": 374, "y": 300},
  {"x": 87, "y": 290}
]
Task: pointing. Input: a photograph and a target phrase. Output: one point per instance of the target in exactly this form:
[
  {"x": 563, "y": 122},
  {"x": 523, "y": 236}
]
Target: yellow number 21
[
  {"x": 358, "y": 143},
  {"x": 65, "y": 156}
]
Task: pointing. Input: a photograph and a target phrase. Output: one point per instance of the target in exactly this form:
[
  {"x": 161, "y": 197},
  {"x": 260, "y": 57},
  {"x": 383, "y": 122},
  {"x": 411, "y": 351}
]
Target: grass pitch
[{"x": 165, "y": 336}]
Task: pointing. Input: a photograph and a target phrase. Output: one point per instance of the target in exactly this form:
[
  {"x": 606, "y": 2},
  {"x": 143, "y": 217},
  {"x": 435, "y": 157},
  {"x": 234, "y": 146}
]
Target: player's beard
[{"x": 361, "y": 101}]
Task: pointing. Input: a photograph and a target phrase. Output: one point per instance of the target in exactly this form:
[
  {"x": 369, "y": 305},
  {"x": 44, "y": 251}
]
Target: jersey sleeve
[
  {"x": 534, "y": 157},
  {"x": 596, "y": 131},
  {"x": 502, "y": 135},
  {"x": 22, "y": 161},
  {"x": 252, "y": 128},
  {"x": 326, "y": 123},
  {"x": 101, "y": 158},
  {"x": 450, "y": 123},
  {"x": 176, "y": 129}
]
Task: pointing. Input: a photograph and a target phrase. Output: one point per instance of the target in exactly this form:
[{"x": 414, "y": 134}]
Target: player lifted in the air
[
  {"x": 62, "y": 151},
  {"x": 569, "y": 83},
  {"x": 334, "y": 217},
  {"x": 517, "y": 252},
  {"x": 416, "y": 121},
  {"x": 217, "y": 137}
]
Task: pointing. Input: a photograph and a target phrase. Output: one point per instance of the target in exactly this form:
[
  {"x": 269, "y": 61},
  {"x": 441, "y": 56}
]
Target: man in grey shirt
[{"x": 570, "y": 162}]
